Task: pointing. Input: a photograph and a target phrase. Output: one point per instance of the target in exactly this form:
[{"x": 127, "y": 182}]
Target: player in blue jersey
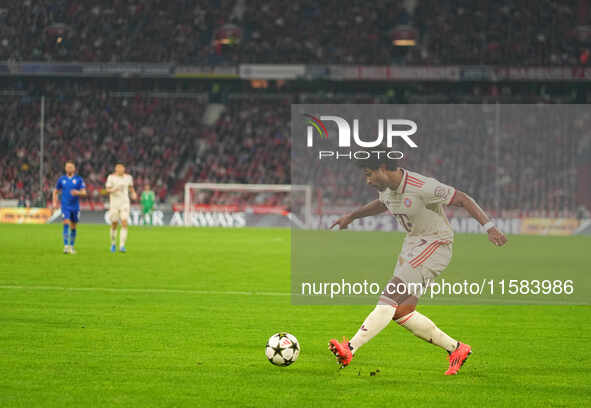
[{"x": 72, "y": 188}]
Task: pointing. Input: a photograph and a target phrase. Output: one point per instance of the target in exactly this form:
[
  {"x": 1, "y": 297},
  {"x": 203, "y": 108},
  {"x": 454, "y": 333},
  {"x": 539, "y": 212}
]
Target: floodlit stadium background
[{"x": 202, "y": 91}]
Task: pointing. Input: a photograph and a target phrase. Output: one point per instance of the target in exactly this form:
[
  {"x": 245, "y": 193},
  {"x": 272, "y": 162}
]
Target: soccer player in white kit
[
  {"x": 119, "y": 185},
  {"x": 417, "y": 203}
]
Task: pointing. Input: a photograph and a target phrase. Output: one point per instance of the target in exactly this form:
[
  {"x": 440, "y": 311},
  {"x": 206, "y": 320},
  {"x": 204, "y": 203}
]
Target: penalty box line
[{"x": 144, "y": 290}]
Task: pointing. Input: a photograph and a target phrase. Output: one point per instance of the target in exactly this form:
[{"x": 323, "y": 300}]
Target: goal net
[{"x": 252, "y": 199}]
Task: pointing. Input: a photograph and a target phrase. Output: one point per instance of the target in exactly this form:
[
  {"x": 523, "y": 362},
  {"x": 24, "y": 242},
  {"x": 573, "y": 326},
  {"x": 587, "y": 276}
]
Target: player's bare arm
[
  {"x": 463, "y": 200},
  {"x": 373, "y": 208},
  {"x": 54, "y": 198},
  {"x": 132, "y": 192},
  {"x": 80, "y": 193}
]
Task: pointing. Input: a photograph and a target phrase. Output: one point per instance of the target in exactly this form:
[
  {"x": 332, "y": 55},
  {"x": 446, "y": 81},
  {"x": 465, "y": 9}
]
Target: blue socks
[{"x": 69, "y": 235}]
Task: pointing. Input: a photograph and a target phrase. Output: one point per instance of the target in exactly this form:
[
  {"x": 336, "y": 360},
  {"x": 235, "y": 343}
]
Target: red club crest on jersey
[{"x": 407, "y": 202}]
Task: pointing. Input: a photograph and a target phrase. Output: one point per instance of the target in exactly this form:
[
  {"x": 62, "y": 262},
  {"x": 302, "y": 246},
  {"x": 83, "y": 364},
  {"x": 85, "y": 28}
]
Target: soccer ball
[{"x": 282, "y": 349}]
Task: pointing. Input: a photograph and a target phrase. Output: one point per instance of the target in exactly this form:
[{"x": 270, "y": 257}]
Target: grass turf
[{"x": 159, "y": 326}]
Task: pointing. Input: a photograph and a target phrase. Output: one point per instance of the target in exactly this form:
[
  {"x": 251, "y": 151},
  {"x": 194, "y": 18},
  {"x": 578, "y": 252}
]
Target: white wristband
[{"x": 488, "y": 226}]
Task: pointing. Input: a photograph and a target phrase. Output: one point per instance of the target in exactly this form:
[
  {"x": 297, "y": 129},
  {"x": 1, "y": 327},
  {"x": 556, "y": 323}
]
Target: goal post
[{"x": 191, "y": 188}]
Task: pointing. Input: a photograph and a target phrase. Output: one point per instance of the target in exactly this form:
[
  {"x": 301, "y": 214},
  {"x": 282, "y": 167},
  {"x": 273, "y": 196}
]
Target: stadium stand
[
  {"x": 523, "y": 32},
  {"x": 165, "y": 142},
  {"x": 168, "y": 139}
]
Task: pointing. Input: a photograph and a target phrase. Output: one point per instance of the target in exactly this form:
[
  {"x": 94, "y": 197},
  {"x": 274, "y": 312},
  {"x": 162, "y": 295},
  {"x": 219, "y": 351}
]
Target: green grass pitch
[{"x": 174, "y": 323}]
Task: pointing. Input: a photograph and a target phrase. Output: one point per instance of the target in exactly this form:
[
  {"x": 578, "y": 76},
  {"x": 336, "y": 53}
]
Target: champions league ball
[{"x": 282, "y": 349}]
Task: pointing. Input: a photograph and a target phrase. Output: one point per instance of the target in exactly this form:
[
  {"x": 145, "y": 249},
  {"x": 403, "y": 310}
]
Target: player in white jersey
[
  {"x": 119, "y": 185},
  {"x": 417, "y": 203}
]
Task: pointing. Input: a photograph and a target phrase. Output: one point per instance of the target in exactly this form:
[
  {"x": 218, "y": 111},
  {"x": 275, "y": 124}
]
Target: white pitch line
[
  {"x": 482, "y": 301},
  {"x": 146, "y": 290}
]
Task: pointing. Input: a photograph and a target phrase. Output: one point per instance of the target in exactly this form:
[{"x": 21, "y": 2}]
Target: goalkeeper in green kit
[{"x": 147, "y": 200}]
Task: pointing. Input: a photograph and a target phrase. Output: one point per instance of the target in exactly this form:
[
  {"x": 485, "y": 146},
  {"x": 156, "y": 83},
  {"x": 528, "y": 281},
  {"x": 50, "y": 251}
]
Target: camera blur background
[{"x": 194, "y": 91}]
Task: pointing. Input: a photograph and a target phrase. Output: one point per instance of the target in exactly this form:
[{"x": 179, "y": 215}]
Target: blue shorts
[{"x": 72, "y": 215}]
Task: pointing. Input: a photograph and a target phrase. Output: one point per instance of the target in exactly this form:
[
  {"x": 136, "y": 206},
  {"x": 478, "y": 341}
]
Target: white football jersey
[
  {"x": 418, "y": 203},
  {"x": 120, "y": 197}
]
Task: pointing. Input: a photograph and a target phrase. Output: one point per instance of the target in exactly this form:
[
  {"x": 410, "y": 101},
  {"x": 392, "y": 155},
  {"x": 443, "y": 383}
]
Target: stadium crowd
[
  {"x": 109, "y": 30},
  {"x": 168, "y": 141},
  {"x": 163, "y": 141},
  {"x": 505, "y": 32},
  {"x": 150, "y": 135}
]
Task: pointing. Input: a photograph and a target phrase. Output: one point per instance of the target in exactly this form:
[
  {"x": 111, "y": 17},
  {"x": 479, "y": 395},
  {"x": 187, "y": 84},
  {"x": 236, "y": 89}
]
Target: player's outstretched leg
[
  {"x": 422, "y": 327},
  {"x": 375, "y": 322}
]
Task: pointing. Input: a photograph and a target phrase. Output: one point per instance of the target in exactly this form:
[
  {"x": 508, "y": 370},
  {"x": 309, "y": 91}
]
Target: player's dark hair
[
  {"x": 374, "y": 162},
  {"x": 119, "y": 163},
  {"x": 71, "y": 162}
]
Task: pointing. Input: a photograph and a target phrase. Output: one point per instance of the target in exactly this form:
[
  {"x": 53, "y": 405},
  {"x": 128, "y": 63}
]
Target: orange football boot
[
  {"x": 458, "y": 358},
  {"x": 342, "y": 351}
]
